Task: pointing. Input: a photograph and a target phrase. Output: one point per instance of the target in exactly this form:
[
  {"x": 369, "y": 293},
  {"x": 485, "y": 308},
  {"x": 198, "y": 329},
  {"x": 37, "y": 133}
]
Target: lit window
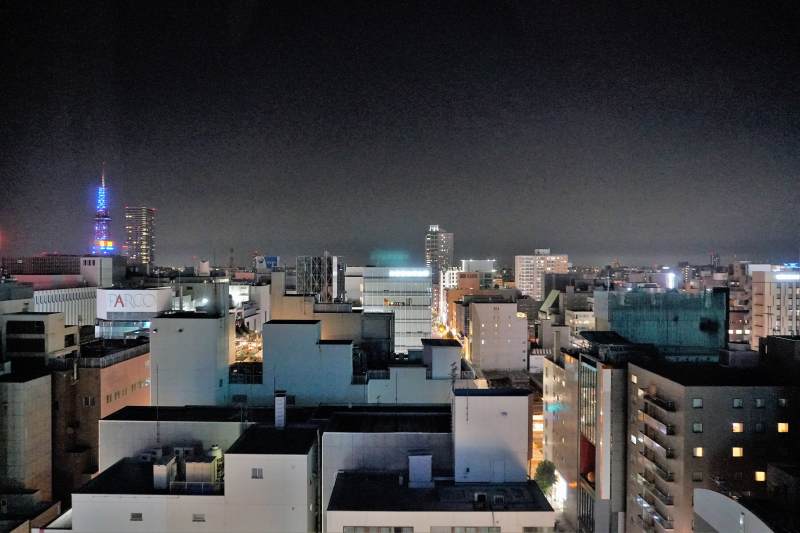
[
  {"x": 634, "y": 379},
  {"x": 633, "y": 439},
  {"x": 783, "y": 427},
  {"x": 697, "y": 403},
  {"x": 737, "y": 451},
  {"x": 698, "y": 451},
  {"x": 737, "y": 427},
  {"x": 761, "y": 476}
]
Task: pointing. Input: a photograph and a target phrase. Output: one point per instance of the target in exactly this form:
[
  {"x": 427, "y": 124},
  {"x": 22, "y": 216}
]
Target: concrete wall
[
  {"x": 498, "y": 337},
  {"x": 424, "y": 521},
  {"x": 278, "y": 502},
  {"x": 25, "y": 435},
  {"x": 296, "y": 361},
  {"x": 119, "y": 439},
  {"x": 78, "y": 305},
  {"x": 492, "y": 438},
  {"x": 408, "y": 385},
  {"x": 190, "y": 358}
]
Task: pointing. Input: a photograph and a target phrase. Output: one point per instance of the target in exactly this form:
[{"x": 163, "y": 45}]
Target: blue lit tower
[{"x": 103, "y": 245}]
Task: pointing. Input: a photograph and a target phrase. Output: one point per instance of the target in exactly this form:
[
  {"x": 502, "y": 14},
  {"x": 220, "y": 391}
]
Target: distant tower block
[{"x": 103, "y": 245}]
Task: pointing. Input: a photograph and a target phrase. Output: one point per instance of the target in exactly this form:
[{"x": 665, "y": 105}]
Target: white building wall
[
  {"x": 498, "y": 337},
  {"x": 172, "y": 513},
  {"x": 78, "y": 304},
  {"x": 190, "y": 358},
  {"x": 492, "y": 438},
  {"x": 424, "y": 521},
  {"x": 119, "y": 439},
  {"x": 277, "y": 502},
  {"x": 408, "y": 385}
]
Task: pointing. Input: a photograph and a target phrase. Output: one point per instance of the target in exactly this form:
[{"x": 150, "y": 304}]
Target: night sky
[{"x": 656, "y": 131}]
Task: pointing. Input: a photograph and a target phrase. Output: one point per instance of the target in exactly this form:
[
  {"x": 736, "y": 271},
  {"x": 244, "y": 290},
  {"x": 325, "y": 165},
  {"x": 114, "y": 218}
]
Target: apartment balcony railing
[
  {"x": 653, "y": 440},
  {"x": 650, "y": 419},
  {"x": 663, "y": 403},
  {"x": 660, "y": 495},
  {"x": 661, "y": 521},
  {"x": 650, "y": 462},
  {"x": 642, "y": 523}
]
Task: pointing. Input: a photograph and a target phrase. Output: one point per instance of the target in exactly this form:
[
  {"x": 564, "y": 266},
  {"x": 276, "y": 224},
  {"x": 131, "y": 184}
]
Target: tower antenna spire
[{"x": 103, "y": 175}]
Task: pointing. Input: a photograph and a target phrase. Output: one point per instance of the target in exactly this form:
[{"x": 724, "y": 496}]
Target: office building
[
  {"x": 140, "y": 244},
  {"x": 405, "y": 292},
  {"x": 702, "y": 427},
  {"x": 322, "y": 276},
  {"x": 775, "y": 304},
  {"x": 107, "y": 376},
  {"x": 57, "y": 271},
  {"x": 32, "y": 339},
  {"x": 498, "y": 337},
  {"x": 530, "y": 271},
  {"x": 439, "y": 250},
  {"x": 127, "y": 313}
]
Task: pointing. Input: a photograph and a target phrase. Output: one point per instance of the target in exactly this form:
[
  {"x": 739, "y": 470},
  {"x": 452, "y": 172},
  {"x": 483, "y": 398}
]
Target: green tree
[{"x": 545, "y": 475}]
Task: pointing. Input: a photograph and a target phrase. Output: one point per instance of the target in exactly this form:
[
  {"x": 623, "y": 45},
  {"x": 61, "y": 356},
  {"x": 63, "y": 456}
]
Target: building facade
[
  {"x": 775, "y": 304},
  {"x": 140, "y": 242},
  {"x": 530, "y": 271},
  {"x": 439, "y": 250}
]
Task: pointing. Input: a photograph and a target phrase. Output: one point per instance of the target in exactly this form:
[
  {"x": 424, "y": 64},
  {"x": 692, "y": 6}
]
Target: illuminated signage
[
  {"x": 150, "y": 301},
  {"x": 418, "y": 273},
  {"x": 787, "y": 277}
]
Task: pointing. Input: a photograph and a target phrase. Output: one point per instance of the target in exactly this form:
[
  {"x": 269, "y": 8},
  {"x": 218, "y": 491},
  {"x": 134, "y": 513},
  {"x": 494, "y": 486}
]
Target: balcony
[
  {"x": 642, "y": 523},
  {"x": 650, "y": 462},
  {"x": 660, "y": 495},
  {"x": 650, "y": 418},
  {"x": 654, "y": 441},
  {"x": 661, "y": 521},
  {"x": 662, "y": 403}
]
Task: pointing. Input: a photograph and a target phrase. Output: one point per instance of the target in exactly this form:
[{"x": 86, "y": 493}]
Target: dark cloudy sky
[{"x": 652, "y": 131}]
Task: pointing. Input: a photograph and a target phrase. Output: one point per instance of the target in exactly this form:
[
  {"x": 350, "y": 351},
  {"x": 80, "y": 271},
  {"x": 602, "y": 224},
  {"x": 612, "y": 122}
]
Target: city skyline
[{"x": 637, "y": 134}]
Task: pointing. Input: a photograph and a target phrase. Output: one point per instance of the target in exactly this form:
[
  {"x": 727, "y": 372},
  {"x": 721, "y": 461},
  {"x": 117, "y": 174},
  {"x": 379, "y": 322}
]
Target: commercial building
[
  {"x": 406, "y": 293},
  {"x": 190, "y": 356},
  {"x": 33, "y": 338},
  {"x": 439, "y": 250},
  {"x": 702, "y": 427},
  {"x": 321, "y": 276},
  {"x": 498, "y": 337},
  {"x": 107, "y": 376},
  {"x": 57, "y": 271},
  {"x": 530, "y": 271},
  {"x": 140, "y": 243},
  {"x": 775, "y": 304},
  {"x": 126, "y": 313}
]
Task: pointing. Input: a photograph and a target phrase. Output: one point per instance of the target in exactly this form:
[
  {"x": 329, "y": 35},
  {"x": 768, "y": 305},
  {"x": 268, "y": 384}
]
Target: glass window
[
  {"x": 697, "y": 403},
  {"x": 738, "y": 403},
  {"x": 783, "y": 427},
  {"x": 697, "y": 427},
  {"x": 783, "y": 402},
  {"x": 760, "y": 403},
  {"x": 697, "y": 476},
  {"x": 759, "y": 427},
  {"x": 737, "y": 451},
  {"x": 698, "y": 451},
  {"x": 257, "y": 473},
  {"x": 761, "y": 476},
  {"x": 737, "y": 427},
  {"x": 634, "y": 379},
  {"x": 136, "y": 517},
  {"x": 198, "y": 517}
]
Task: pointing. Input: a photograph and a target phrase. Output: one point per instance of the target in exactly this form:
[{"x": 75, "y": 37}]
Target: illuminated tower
[{"x": 103, "y": 245}]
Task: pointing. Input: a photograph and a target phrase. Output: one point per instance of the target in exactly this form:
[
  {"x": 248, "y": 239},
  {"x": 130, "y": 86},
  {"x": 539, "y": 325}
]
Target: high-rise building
[
  {"x": 438, "y": 258},
  {"x": 140, "y": 244},
  {"x": 102, "y": 243},
  {"x": 530, "y": 271},
  {"x": 774, "y": 303}
]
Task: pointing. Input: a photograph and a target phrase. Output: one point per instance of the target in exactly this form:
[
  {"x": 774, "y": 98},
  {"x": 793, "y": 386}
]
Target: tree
[{"x": 545, "y": 475}]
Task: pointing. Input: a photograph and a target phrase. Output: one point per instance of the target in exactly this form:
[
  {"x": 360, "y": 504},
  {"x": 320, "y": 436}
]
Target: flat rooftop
[
  {"x": 492, "y": 392},
  {"x": 187, "y": 314},
  {"x": 604, "y": 337},
  {"x": 336, "y": 341},
  {"x": 358, "y": 491},
  {"x": 441, "y": 342},
  {"x": 272, "y": 441},
  {"x": 398, "y": 422},
  {"x": 104, "y": 347},
  {"x": 293, "y": 322},
  {"x": 125, "y": 477},
  {"x": 714, "y": 375}
]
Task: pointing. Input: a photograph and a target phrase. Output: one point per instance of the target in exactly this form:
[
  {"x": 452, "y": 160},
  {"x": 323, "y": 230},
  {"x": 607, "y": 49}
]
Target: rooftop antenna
[{"x": 103, "y": 175}]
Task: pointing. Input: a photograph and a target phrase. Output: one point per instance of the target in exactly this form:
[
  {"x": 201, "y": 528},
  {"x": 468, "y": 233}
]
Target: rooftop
[
  {"x": 714, "y": 375},
  {"x": 398, "y": 422},
  {"x": 104, "y": 347},
  {"x": 125, "y": 477},
  {"x": 269, "y": 440},
  {"x": 492, "y": 392},
  {"x": 336, "y": 341},
  {"x": 23, "y": 376},
  {"x": 441, "y": 342},
  {"x": 293, "y": 322},
  {"x": 604, "y": 337},
  {"x": 358, "y": 491},
  {"x": 187, "y": 314}
]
